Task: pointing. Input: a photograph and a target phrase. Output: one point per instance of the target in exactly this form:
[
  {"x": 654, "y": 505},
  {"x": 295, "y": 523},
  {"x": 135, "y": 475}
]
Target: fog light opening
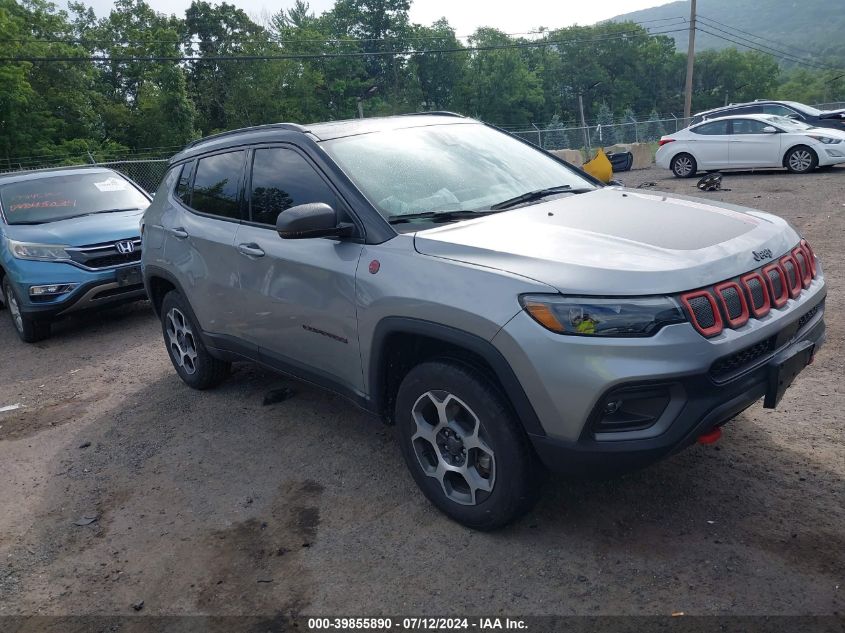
[
  {"x": 50, "y": 290},
  {"x": 631, "y": 409}
]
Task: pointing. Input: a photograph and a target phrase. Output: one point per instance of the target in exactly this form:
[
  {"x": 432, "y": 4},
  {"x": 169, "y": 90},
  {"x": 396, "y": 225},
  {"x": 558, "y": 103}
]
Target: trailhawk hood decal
[{"x": 616, "y": 241}]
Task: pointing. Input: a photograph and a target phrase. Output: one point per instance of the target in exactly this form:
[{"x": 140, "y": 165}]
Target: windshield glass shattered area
[
  {"x": 443, "y": 168},
  {"x": 53, "y": 198},
  {"x": 790, "y": 125}
]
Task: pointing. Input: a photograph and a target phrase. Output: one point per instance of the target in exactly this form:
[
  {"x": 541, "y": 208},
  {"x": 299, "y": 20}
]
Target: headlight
[
  {"x": 593, "y": 316},
  {"x": 825, "y": 139},
  {"x": 42, "y": 252}
]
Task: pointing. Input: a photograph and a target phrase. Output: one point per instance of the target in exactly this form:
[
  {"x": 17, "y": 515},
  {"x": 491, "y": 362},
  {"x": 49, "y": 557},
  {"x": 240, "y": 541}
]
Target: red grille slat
[
  {"x": 742, "y": 318},
  {"x": 800, "y": 256},
  {"x": 811, "y": 256},
  {"x": 779, "y": 299},
  {"x": 717, "y": 326},
  {"x": 766, "y": 306},
  {"x": 793, "y": 281}
]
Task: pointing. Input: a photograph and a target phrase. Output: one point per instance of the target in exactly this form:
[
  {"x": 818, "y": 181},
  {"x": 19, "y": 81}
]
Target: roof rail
[
  {"x": 255, "y": 128},
  {"x": 434, "y": 113}
]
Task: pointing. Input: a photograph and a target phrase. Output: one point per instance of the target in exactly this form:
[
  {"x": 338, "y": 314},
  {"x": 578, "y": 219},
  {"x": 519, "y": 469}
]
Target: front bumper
[
  {"x": 95, "y": 289},
  {"x": 567, "y": 378}
]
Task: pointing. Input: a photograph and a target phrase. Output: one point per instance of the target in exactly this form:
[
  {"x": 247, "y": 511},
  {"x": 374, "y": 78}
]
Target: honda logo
[{"x": 125, "y": 247}]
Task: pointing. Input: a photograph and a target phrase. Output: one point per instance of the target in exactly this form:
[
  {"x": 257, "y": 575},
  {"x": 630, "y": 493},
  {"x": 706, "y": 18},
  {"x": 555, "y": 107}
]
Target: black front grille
[
  {"x": 792, "y": 278},
  {"x": 114, "y": 259},
  {"x": 777, "y": 283},
  {"x": 107, "y": 255},
  {"x": 758, "y": 299},
  {"x": 728, "y": 365},
  {"x": 702, "y": 310},
  {"x": 732, "y": 302}
]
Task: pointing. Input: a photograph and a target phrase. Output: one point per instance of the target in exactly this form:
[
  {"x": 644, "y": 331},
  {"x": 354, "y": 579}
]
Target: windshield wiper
[
  {"x": 439, "y": 215},
  {"x": 118, "y": 210},
  {"x": 530, "y": 196}
]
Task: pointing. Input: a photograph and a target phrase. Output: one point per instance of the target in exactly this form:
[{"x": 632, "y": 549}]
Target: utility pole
[
  {"x": 690, "y": 64},
  {"x": 584, "y": 122}
]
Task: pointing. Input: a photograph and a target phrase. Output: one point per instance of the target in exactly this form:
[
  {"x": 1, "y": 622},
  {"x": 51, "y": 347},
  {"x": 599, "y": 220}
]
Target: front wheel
[
  {"x": 801, "y": 160},
  {"x": 464, "y": 446},
  {"x": 29, "y": 330},
  {"x": 195, "y": 366},
  {"x": 683, "y": 166}
]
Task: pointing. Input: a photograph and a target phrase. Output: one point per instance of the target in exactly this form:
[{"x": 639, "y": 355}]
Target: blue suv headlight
[{"x": 38, "y": 252}]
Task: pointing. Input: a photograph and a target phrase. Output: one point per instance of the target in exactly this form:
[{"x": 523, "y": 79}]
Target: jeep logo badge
[
  {"x": 759, "y": 256},
  {"x": 125, "y": 247}
]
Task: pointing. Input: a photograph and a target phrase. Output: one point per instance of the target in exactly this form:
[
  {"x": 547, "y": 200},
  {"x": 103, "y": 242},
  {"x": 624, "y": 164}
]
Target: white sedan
[{"x": 752, "y": 141}]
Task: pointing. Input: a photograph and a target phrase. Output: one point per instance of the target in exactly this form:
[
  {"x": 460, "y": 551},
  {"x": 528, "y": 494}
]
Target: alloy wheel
[
  {"x": 181, "y": 341},
  {"x": 683, "y": 166},
  {"x": 800, "y": 160},
  {"x": 15, "y": 311},
  {"x": 451, "y": 446}
]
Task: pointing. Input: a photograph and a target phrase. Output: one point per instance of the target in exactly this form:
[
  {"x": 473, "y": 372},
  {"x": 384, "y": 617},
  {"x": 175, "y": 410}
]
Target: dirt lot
[{"x": 212, "y": 503}]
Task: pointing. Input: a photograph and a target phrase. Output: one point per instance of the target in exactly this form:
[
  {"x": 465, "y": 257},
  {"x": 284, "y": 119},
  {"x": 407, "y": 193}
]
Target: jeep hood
[
  {"x": 81, "y": 231},
  {"x": 616, "y": 241}
]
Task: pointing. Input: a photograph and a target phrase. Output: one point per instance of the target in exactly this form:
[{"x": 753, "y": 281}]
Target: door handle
[
  {"x": 251, "y": 250},
  {"x": 178, "y": 232}
]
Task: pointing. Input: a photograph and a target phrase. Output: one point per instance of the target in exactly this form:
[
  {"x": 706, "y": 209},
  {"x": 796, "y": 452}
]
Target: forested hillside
[
  {"x": 73, "y": 86},
  {"x": 796, "y": 26}
]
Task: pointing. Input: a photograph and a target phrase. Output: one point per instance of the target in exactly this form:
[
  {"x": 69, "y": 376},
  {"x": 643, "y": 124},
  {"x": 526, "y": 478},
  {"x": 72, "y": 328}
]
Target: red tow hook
[{"x": 711, "y": 437}]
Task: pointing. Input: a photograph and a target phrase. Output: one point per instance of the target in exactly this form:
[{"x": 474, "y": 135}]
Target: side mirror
[
  {"x": 770, "y": 130},
  {"x": 315, "y": 219}
]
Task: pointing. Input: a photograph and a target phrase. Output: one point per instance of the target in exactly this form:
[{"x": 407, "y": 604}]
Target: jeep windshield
[
  {"x": 61, "y": 197},
  {"x": 449, "y": 171}
]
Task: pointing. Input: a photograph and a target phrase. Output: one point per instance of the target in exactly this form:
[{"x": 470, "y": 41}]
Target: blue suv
[{"x": 69, "y": 240}]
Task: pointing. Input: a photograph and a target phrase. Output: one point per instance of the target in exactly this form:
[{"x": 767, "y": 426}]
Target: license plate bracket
[
  {"x": 783, "y": 369},
  {"x": 129, "y": 276}
]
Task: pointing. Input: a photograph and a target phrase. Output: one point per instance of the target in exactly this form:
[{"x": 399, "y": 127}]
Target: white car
[{"x": 751, "y": 141}]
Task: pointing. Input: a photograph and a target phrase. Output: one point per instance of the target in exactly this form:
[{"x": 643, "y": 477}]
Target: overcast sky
[{"x": 463, "y": 15}]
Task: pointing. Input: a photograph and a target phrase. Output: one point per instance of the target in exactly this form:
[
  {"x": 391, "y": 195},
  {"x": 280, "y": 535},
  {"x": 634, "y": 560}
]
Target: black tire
[
  {"x": 801, "y": 159},
  {"x": 28, "y": 328},
  {"x": 196, "y": 367},
  {"x": 512, "y": 471},
  {"x": 683, "y": 165}
]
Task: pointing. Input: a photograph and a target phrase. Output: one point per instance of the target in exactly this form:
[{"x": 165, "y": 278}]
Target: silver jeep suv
[{"x": 506, "y": 311}]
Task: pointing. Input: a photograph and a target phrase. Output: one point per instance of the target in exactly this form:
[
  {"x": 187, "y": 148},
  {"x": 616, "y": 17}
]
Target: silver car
[{"x": 510, "y": 314}]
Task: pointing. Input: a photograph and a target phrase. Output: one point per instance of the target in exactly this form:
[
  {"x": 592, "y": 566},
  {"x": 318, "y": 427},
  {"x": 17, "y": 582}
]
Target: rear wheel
[
  {"x": 195, "y": 366},
  {"x": 464, "y": 446},
  {"x": 29, "y": 329},
  {"x": 684, "y": 166},
  {"x": 801, "y": 160}
]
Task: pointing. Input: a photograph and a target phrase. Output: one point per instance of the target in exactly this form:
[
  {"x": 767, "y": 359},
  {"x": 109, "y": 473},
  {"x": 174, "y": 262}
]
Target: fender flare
[{"x": 459, "y": 338}]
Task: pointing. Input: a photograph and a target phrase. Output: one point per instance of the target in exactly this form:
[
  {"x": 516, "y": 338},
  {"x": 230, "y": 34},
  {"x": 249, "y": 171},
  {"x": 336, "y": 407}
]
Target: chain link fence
[{"x": 562, "y": 136}]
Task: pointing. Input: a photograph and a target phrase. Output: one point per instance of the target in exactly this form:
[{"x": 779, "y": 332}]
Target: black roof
[{"x": 320, "y": 131}]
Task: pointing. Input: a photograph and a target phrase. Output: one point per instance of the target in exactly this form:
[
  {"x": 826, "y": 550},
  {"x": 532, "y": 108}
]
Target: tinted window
[
  {"x": 748, "y": 126},
  {"x": 778, "y": 110},
  {"x": 183, "y": 187},
  {"x": 281, "y": 179},
  {"x": 60, "y": 197},
  {"x": 217, "y": 185},
  {"x": 710, "y": 129}
]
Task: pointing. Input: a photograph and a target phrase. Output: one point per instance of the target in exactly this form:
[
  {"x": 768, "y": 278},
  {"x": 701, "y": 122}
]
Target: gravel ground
[{"x": 212, "y": 503}]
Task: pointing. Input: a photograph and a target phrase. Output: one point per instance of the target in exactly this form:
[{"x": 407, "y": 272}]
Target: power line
[
  {"x": 771, "y": 51},
  {"x": 304, "y": 56},
  {"x": 759, "y": 37}
]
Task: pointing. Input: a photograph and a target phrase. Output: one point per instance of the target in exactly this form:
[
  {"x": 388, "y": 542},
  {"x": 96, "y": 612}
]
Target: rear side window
[
  {"x": 183, "y": 187},
  {"x": 712, "y": 129},
  {"x": 748, "y": 126},
  {"x": 217, "y": 185},
  {"x": 281, "y": 179},
  {"x": 778, "y": 110}
]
